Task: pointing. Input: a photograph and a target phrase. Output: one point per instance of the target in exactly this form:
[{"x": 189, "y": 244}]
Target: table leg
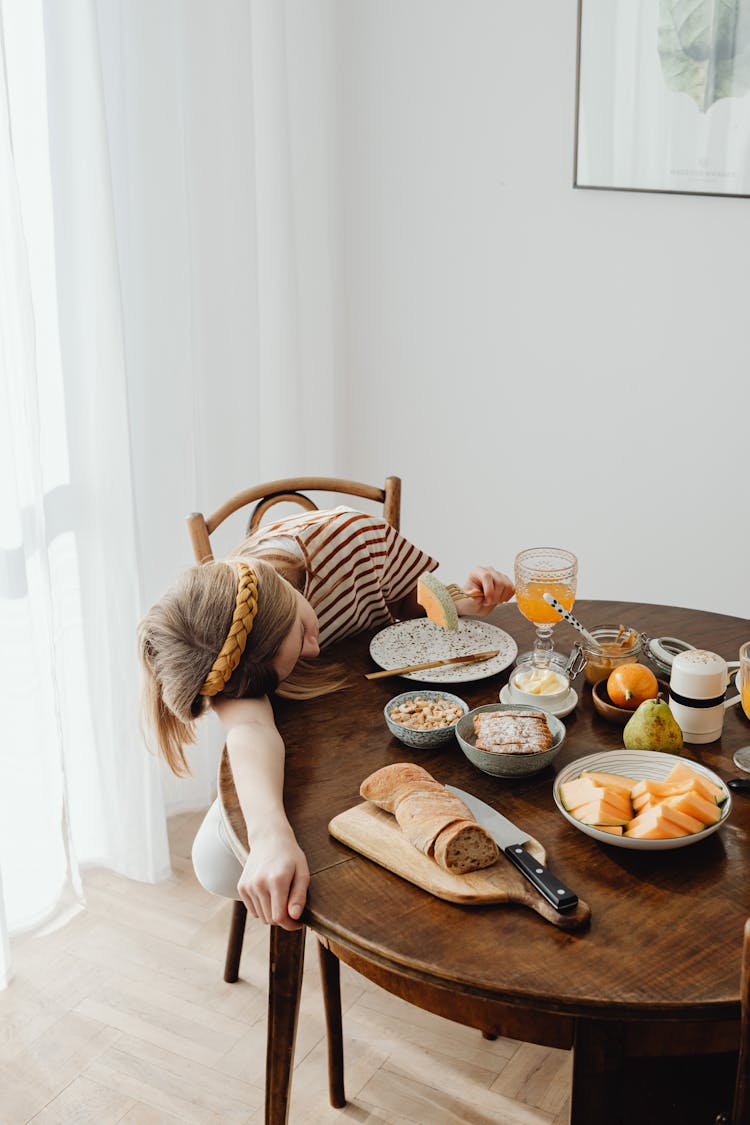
[
  {"x": 598, "y": 1059},
  {"x": 286, "y": 960}
]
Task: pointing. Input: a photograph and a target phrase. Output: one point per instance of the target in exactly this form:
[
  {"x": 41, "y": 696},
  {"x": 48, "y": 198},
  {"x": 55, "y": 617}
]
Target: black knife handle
[{"x": 555, "y": 892}]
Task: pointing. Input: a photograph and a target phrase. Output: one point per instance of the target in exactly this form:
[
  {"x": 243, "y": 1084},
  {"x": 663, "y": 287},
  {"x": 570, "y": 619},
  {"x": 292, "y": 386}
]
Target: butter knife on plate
[{"x": 511, "y": 841}]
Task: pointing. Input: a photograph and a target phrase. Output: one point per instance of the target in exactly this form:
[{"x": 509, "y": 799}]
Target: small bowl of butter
[{"x": 538, "y": 686}]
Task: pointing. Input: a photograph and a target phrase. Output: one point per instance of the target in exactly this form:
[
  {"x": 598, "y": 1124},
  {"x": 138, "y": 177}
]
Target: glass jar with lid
[{"x": 615, "y": 645}]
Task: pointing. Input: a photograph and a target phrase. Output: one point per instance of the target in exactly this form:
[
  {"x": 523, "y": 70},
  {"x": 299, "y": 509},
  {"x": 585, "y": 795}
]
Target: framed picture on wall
[{"x": 663, "y": 98}]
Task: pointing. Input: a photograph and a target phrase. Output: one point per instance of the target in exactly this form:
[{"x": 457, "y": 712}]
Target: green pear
[{"x": 653, "y": 727}]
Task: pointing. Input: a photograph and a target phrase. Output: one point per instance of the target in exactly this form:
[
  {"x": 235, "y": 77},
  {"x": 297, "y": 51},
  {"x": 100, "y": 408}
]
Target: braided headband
[{"x": 242, "y": 622}]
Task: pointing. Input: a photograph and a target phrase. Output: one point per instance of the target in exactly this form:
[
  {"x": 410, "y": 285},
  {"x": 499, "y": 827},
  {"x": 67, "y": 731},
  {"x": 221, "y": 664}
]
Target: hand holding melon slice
[{"x": 487, "y": 588}]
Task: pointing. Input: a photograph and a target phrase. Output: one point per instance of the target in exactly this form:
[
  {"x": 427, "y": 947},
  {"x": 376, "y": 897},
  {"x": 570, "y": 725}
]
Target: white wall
[{"x": 541, "y": 364}]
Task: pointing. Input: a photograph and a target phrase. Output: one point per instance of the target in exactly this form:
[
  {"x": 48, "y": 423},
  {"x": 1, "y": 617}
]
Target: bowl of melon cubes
[{"x": 642, "y": 799}]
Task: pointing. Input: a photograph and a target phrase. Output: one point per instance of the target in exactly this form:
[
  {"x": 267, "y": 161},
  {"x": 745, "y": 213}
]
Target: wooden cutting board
[{"x": 376, "y": 834}]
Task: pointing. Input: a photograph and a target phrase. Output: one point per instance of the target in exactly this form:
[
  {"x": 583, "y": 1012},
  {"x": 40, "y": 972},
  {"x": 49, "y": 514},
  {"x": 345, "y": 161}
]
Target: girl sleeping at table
[{"x": 229, "y": 634}]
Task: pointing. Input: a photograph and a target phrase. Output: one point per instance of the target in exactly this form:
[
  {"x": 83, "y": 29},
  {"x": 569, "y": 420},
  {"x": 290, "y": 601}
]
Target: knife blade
[{"x": 511, "y": 840}]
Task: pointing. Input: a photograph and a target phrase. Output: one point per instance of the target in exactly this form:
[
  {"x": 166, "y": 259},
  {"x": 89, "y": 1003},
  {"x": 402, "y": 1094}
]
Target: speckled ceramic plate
[
  {"x": 416, "y": 642},
  {"x": 638, "y": 764}
]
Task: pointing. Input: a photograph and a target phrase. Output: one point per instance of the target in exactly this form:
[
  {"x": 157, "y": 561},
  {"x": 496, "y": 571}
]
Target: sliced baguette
[{"x": 431, "y": 818}]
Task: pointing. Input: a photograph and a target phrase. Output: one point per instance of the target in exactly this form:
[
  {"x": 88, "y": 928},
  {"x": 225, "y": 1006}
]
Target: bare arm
[{"x": 275, "y": 878}]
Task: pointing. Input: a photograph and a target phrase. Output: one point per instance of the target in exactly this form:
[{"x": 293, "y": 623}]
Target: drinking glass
[
  {"x": 539, "y": 571},
  {"x": 742, "y": 756}
]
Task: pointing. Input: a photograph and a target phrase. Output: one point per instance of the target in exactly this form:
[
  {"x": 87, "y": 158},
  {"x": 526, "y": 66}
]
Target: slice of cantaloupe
[
  {"x": 613, "y": 829},
  {"x": 649, "y": 788},
  {"x": 582, "y": 791},
  {"x": 681, "y": 774},
  {"x": 653, "y": 825},
  {"x": 694, "y": 805},
  {"x": 683, "y": 820},
  {"x": 601, "y": 812},
  {"x": 610, "y": 780},
  {"x": 437, "y": 603}
]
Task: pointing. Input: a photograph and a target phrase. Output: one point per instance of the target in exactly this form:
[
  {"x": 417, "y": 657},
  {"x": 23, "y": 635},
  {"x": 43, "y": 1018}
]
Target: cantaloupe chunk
[
  {"x": 610, "y": 780},
  {"x": 653, "y": 825},
  {"x": 601, "y": 812},
  {"x": 437, "y": 603},
  {"x": 582, "y": 791},
  {"x": 650, "y": 788},
  {"x": 695, "y": 805},
  {"x": 646, "y": 802},
  {"x": 613, "y": 829},
  {"x": 681, "y": 819},
  {"x": 682, "y": 773}
]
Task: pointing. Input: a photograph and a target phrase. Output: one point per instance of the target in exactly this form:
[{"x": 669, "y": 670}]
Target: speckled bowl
[
  {"x": 422, "y": 739},
  {"x": 507, "y": 765}
]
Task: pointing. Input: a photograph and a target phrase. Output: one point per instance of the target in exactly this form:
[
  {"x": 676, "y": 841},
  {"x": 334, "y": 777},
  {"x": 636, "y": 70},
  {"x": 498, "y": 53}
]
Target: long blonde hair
[{"x": 181, "y": 635}]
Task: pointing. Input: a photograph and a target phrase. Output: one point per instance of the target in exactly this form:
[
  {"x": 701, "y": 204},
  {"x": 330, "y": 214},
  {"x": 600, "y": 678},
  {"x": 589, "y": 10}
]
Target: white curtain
[
  {"x": 169, "y": 333},
  {"x": 76, "y": 785}
]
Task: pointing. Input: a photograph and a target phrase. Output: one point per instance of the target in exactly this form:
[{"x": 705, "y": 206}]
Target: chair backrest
[{"x": 291, "y": 490}]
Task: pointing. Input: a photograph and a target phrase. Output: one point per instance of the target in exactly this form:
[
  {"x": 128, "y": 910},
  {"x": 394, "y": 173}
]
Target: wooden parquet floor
[{"x": 121, "y": 1015}]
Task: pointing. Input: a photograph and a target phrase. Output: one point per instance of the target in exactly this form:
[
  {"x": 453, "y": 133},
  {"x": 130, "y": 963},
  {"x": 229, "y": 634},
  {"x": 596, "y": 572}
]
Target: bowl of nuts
[{"x": 424, "y": 718}]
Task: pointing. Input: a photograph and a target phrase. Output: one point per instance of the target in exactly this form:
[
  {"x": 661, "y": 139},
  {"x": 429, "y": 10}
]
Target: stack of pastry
[{"x": 512, "y": 732}]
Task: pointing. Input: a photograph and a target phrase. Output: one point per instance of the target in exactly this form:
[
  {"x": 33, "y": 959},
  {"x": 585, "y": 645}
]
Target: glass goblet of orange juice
[
  {"x": 742, "y": 756},
  {"x": 539, "y": 571}
]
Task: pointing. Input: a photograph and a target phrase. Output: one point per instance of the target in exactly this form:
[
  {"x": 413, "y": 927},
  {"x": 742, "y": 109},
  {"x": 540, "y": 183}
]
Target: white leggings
[{"x": 216, "y": 866}]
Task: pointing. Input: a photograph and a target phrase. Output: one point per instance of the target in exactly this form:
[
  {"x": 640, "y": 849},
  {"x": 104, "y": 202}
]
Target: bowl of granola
[{"x": 423, "y": 719}]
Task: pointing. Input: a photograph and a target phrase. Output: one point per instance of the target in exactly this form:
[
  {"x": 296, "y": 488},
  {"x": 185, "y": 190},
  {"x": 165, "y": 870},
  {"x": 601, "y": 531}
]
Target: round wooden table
[{"x": 656, "y": 974}]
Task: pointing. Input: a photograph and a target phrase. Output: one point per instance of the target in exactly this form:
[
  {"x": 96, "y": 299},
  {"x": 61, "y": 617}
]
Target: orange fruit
[{"x": 630, "y": 685}]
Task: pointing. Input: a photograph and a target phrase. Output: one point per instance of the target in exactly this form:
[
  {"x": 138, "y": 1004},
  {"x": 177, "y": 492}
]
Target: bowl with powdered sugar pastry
[{"x": 510, "y": 740}]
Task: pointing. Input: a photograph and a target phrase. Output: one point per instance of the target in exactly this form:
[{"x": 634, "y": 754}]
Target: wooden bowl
[{"x": 612, "y": 713}]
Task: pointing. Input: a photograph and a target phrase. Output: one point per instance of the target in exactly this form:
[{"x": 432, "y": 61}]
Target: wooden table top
[{"x": 667, "y": 927}]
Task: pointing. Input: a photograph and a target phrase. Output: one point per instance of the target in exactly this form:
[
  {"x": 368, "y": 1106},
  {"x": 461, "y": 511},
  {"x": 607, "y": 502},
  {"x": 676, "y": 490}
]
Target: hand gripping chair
[{"x": 264, "y": 497}]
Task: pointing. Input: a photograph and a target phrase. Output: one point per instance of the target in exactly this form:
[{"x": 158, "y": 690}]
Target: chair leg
[
  {"x": 330, "y": 971},
  {"x": 234, "y": 945}
]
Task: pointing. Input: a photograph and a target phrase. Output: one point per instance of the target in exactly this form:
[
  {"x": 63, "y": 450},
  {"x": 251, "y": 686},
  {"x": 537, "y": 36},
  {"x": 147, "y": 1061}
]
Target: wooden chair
[
  {"x": 264, "y": 497},
  {"x": 740, "y": 1114}
]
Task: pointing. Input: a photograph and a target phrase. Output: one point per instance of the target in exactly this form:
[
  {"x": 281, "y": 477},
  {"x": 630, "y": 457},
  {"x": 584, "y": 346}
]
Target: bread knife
[{"x": 511, "y": 841}]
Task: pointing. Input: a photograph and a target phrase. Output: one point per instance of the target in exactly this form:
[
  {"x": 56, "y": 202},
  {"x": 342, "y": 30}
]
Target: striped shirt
[{"x": 357, "y": 565}]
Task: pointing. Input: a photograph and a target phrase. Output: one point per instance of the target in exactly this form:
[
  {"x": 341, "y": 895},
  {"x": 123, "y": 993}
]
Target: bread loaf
[
  {"x": 512, "y": 732},
  {"x": 434, "y": 820},
  {"x": 386, "y": 787}
]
